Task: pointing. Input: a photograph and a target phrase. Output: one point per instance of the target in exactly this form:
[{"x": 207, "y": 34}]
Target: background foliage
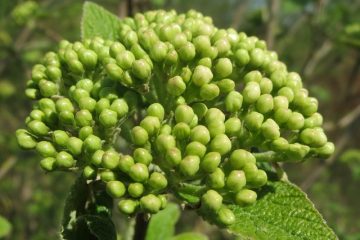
[{"x": 319, "y": 39}]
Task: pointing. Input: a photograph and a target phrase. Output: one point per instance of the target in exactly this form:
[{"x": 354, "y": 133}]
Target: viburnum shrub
[{"x": 167, "y": 106}]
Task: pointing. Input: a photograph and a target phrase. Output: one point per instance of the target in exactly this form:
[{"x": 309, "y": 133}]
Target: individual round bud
[
  {"x": 200, "y": 134},
  {"x": 96, "y": 158},
  {"x": 108, "y": 118},
  {"x": 251, "y": 171},
  {"x": 245, "y": 197},
  {"x": 233, "y": 101},
  {"x": 135, "y": 190},
  {"x": 223, "y": 46},
  {"x": 64, "y": 104},
  {"x": 48, "y": 164},
  {"x": 74, "y": 145},
  {"x": 278, "y": 78},
  {"x": 296, "y": 121},
  {"x": 150, "y": 203},
  {"x": 214, "y": 114},
  {"x": 64, "y": 160},
  {"x": 326, "y": 150},
  {"x": 226, "y": 216},
  {"x": 151, "y": 125},
  {"x": 239, "y": 158},
  {"x": 141, "y": 155},
  {"x": 266, "y": 86},
  {"x": 139, "y": 136},
  {"x": 114, "y": 71},
  {"x": 220, "y": 143},
  {"x": 107, "y": 175},
  {"x": 156, "y": 110},
  {"x": 201, "y": 75},
  {"x": 157, "y": 181},
  {"x": 195, "y": 148},
  {"x": 110, "y": 159},
  {"x": 257, "y": 56},
  {"x": 89, "y": 172},
  {"x": 88, "y": 58},
  {"x": 85, "y": 84},
  {"x": 216, "y": 127},
  {"x": 25, "y": 140},
  {"x": 141, "y": 69},
  {"x": 265, "y": 103},
  {"x": 83, "y": 118},
  {"x": 115, "y": 189},
  {"x": 202, "y": 43},
  {"x": 280, "y": 102},
  {"x": 139, "y": 172},
  {"x": 294, "y": 81},
  {"x": 181, "y": 131},
  {"x": 66, "y": 117},
  {"x": 189, "y": 166},
  {"x": 120, "y": 107},
  {"x": 38, "y": 128},
  {"x": 286, "y": 92},
  {"x": 297, "y": 151},
  {"x": 280, "y": 144},
  {"x": 205, "y": 62},
  {"x": 187, "y": 52},
  {"x": 309, "y": 107},
  {"x": 242, "y": 57},
  {"x": 253, "y": 76},
  {"x": 173, "y": 156},
  {"x": 223, "y": 67},
  {"x": 127, "y": 206},
  {"x": 87, "y": 103},
  {"x": 47, "y": 88},
  {"x": 77, "y": 94},
  {"x": 92, "y": 143},
  {"x": 209, "y": 91},
  {"x": 236, "y": 180},
  {"x": 282, "y": 115},
  {"x": 200, "y": 110},
  {"x": 37, "y": 115},
  {"x": 232, "y": 126},
  {"x": 300, "y": 98},
  {"x": 158, "y": 51},
  {"x": 46, "y": 103},
  {"x": 54, "y": 73},
  {"x": 270, "y": 129},
  {"x": 101, "y": 105},
  {"x": 216, "y": 179},
  {"x": 211, "y": 200},
  {"x": 84, "y": 132},
  {"x": 260, "y": 179},
  {"x": 116, "y": 48},
  {"x": 315, "y": 120},
  {"x": 125, "y": 163},
  {"x": 45, "y": 149},
  {"x": 165, "y": 142},
  {"x": 76, "y": 66},
  {"x": 184, "y": 113},
  {"x": 251, "y": 92},
  {"x": 210, "y": 162},
  {"x": 125, "y": 59},
  {"x": 226, "y": 85},
  {"x": 313, "y": 137},
  {"x": 253, "y": 121}
]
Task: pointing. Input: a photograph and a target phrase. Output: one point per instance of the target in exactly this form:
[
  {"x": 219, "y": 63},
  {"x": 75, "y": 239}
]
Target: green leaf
[
  {"x": 162, "y": 224},
  {"x": 100, "y": 226},
  {"x": 5, "y": 227},
  {"x": 98, "y": 22},
  {"x": 282, "y": 211},
  {"x": 190, "y": 193},
  {"x": 190, "y": 236}
]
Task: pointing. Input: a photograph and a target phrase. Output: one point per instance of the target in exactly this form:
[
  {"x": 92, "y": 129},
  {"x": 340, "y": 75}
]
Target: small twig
[
  {"x": 273, "y": 6},
  {"x": 140, "y": 227}
]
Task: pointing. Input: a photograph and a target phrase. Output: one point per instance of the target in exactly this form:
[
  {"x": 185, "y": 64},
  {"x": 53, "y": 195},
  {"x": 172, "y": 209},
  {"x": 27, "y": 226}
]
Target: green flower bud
[
  {"x": 195, "y": 148},
  {"x": 184, "y": 113},
  {"x": 87, "y": 103},
  {"x": 107, "y": 176},
  {"x": 190, "y": 165},
  {"x": 115, "y": 189},
  {"x": 278, "y": 78},
  {"x": 280, "y": 144},
  {"x": 199, "y": 109},
  {"x": 210, "y": 162},
  {"x": 60, "y": 138},
  {"x": 114, "y": 71},
  {"x": 187, "y": 52},
  {"x": 216, "y": 179},
  {"x": 78, "y": 93},
  {"x": 96, "y": 158},
  {"x": 165, "y": 142},
  {"x": 280, "y": 102},
  {"x": 236, "y": 180},
  {"x": 233, "y": 101},
  {"x": 296, "y": 121},
  {"x": 214, "y": 114},
  {"x": 64, "y": 104},
  {"x": 200, "y": 134},
  {"x": 226, "y": 216},
  {"x": 266, "y": 86},
  {"x": 32, "y": 93},
  {"x": 205, "y": 62},
  {"x": 66, "y": 117},
  {"x": 257, "y": 56},
  {"x": 108, "y": 118},
  {"x": 202, "y": 43},
  {"x": 135, "y": 190},
  {"x": 253, "y": 121},
  {"x": 294, "y": 81},
  {"x": 286, "y": 92},
  {"x": 251, "y": 171},
  {"x": 315, "y": 120},
  {"x": 38, "y": 128},
  {"x": 141, "y": 69},
  {"x": 83, "y": 118},
  {"x": 201, "y": 75},
  {"x": 150, "y": 203},
  {"x": 45, "y": 149},
  {"x": 223, "y": 67},
  {"x": 242, "y": 57},
  {"x": 127, "y": 206},
  {"x": 232, "y": 126},
  {"x": 76, "y": 66},
  {"x": 85, "y": 84},
  {"x": 239, "y": 158},
  {"x": 89, "y": 173},
  {"x": 326, "y": 150},
  {"x": 209, "y": 91},
  {"x": 125, "y": 59},
  {"x": 171, "y": 57},
  {"x": 158, "y": 51},
  {"x": 251, "y": 92},
  {"x": 88, "y": 58},
  {"x": 48, "y": 164},
  {"x": 46, "y": 103},
  {"x": 151, "y": 125},
  {"x": 300, "y": 98},
  {"x": 157, "y": 181},
  {"x": 270, "y": 129},
  {"x": 253, "y": 76},
  {"x": 211, "y": 200},
  {"x": 313, "y": 137},
  {"x": 173, "y": 156},
  {"x": 120, "y": 107},
  {"x": 64, "y": 160},
  {"x": 309, "y": 107},
  {"x": 216, "y": 127},
  {"x": 223, "y": 46},
  {"x": 47, "y": 88},
  {"x": 297, "y": 151},
  {"x": 156, "y": 110},
  {"x": 110, "y": 159},
  {"x": 74, "y": 145},
  {"x": 125, "y": 163},
  {"x": 186, "y": 74},
  {"x": 245, "y": 197},
  {"x": 139, "y": 172},
  {"x": 92, "y": 143},
  {"x": 141, "y": 155},
  {"x": 84, "y": 132},
  {"x": 194, "y": 122},
  {"x": 139, "y": 136},
  {"x": 101, "y": 105},
  {"x": 116, "y": 48},
  {"x": 226, "y": 85},
  {"x": 265, "y": 103},
  {"x": 260, "y": 179},
  {"x": 181, "y": 131},
  {"x": 282, "y": 115},
  {"x": 179, "y": 39}
]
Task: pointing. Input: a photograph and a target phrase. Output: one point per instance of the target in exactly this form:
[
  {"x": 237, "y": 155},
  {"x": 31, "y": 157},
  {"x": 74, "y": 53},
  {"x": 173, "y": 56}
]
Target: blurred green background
[{"x": 318, "y": 38}]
